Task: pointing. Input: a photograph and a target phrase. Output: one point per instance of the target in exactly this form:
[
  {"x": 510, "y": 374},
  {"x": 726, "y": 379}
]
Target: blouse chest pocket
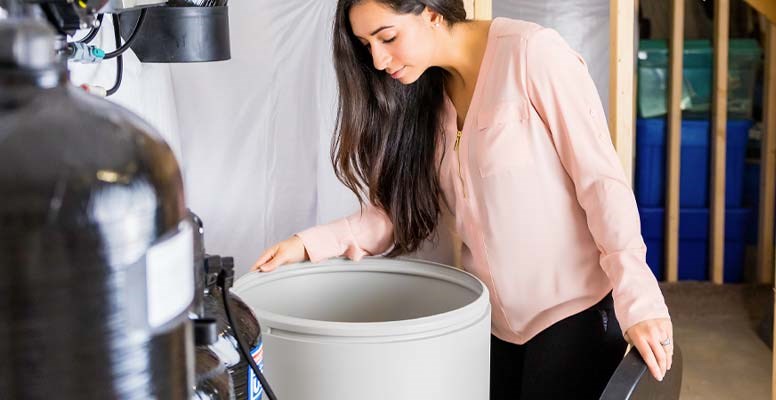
[{"x": 503, "y": 137}]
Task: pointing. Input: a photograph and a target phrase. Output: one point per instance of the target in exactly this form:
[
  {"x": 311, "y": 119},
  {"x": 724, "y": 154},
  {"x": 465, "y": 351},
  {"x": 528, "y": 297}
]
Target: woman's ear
[{"x": 433, "y": 18}]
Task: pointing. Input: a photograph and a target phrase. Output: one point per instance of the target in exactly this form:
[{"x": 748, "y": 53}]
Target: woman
[{"x": 499, "y": 122}]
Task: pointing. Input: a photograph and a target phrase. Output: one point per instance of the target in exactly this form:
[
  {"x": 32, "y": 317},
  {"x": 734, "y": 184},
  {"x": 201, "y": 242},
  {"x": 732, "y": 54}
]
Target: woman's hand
[
  {"x": 288, "y": 251},
  {"x": 654, "y": 338}
]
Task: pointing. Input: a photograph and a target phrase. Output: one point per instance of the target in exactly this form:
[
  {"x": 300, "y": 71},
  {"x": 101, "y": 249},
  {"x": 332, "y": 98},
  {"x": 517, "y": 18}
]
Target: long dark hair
[{"x": 387, "y": 133}]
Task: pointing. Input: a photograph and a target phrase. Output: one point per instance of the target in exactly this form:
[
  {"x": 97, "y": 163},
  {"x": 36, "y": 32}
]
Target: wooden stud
[
  {"x": 765, "y": 7},
  {"x": 765, "y": 257},
  {"x": 768, "y": 146},
  {"x": 676, "y": 50},
  {"x": 635, "y": 94},
  {"x": 483, "y": 9},
  {"x": 621, "y": 82},
  {"x": 478, "y": 9},
  {"x": 719, "y": 141},
  {"x": 469, "y": 6}
]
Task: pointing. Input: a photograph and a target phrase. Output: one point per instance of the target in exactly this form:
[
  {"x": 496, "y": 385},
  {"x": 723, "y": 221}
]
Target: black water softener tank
[
  {"x": 213, "y": 381},
  {"x": 198, "y": 306},
  {"x": 246, "y": 384},
  {"x": 95, "y": 254}
]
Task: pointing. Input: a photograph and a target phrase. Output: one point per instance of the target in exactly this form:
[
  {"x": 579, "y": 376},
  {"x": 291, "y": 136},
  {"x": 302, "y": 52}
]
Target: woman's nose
[{"x": 380, "y": 58}]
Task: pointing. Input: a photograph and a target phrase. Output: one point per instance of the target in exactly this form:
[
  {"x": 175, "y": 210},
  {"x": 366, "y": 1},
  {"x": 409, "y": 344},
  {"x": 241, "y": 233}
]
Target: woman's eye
[{"x": 389, "y": 40}]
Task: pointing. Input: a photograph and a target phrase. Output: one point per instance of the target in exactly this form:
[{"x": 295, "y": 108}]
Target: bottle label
[{"x": 255, "y": 391}]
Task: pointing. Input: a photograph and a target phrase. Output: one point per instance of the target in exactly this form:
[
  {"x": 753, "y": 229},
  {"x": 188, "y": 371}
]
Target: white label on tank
[
  {"x": 170, "y": 277},
  {"x": 255, "y": 390}
]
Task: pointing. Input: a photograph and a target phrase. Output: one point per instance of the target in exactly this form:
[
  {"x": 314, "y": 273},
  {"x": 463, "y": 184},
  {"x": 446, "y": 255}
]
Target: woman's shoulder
[
  {"x": 518, "y": 36},
  {"x": 508, "y": 27}
]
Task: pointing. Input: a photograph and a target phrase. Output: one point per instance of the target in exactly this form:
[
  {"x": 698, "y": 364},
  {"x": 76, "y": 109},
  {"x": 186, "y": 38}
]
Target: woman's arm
[{"x": 563, "y": 94}]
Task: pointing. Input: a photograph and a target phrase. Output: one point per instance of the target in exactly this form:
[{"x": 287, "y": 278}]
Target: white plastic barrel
[{"x": 376, "y": 329}]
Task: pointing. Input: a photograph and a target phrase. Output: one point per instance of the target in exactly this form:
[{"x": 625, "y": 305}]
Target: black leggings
[{"x": 572, "y": 359}]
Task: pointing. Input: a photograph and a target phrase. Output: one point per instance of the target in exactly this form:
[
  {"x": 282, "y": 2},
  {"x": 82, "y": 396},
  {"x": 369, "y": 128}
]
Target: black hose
[
  {"x": 131, "y": 38},
  {"x": 54, "y": 19},
  {"x": 243, "y": 350},
  {"x": 119, "y": 60},
  {"x": 92, "y": 33}
]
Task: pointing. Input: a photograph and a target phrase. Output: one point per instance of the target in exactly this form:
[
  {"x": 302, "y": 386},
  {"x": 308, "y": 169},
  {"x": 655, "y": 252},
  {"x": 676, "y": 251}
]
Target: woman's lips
[{"x": 398, "y": 73}]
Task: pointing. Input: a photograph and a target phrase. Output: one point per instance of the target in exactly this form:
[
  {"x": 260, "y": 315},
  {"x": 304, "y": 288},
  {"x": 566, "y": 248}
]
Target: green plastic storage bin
[{"x": 745, "y": 57}]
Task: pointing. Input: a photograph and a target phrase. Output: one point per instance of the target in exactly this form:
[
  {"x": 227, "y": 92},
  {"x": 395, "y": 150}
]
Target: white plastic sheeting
[
  {"x": 256, "y": 129},
  {"x": 584, "y": 24}
]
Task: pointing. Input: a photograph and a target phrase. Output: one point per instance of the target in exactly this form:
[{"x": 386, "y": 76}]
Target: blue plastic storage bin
[
  {"x": 735, "y": 154},
  {"x": 751, "y": 196},
  {"x": 694, "y": 242},
  {"x": 752, "y": 199},
  {"x": 650, "y": 176}
]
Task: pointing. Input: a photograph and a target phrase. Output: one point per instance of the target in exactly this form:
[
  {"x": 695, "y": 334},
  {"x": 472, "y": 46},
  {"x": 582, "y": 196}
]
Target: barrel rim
[{"x": 283, "y": 325}]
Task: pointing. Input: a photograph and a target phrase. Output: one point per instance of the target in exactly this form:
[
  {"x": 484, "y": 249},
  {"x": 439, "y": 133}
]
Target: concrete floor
[{"x": 716, "y": 326}]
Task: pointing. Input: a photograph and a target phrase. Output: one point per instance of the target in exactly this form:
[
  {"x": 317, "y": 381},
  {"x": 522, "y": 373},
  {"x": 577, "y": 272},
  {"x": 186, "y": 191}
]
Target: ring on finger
[{"x": 666, "y": 342}]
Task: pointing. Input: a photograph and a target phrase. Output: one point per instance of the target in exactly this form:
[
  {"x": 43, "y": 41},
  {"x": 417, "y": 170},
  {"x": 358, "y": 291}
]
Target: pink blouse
[{"x": 546, "y": 215}]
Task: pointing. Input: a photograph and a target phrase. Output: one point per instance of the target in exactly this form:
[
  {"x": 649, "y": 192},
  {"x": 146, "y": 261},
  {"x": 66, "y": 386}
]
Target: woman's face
[{"x": 401, "y": 44}]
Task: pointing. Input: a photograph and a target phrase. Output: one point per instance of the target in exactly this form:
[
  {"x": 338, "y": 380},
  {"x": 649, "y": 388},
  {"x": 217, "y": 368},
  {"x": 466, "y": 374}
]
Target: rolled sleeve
[{"x": 366, "y": 232}]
